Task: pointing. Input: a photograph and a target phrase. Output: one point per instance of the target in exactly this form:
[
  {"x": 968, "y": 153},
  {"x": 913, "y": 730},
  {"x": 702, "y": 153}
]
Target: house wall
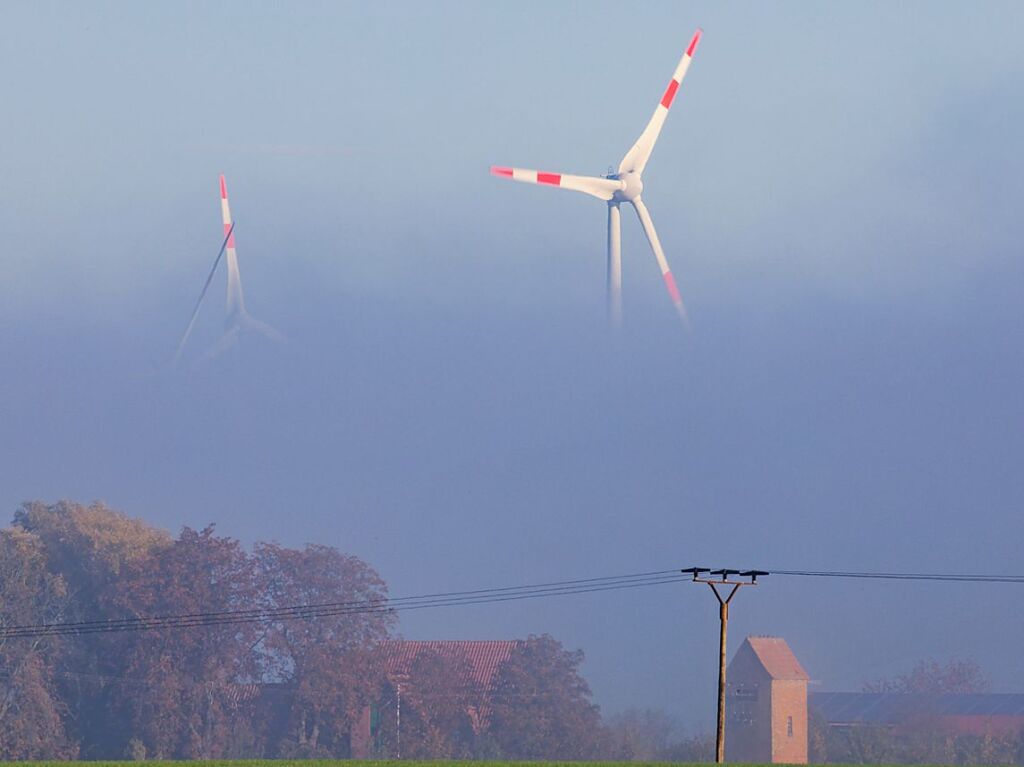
[
  {"x": 748, "y": 719},
  {"x": 982, "y": 724},
  {"x": 789, "y": 705}
]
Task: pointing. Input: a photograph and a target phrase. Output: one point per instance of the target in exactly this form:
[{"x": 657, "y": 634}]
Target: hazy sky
[{"x": 838, "y": 190}]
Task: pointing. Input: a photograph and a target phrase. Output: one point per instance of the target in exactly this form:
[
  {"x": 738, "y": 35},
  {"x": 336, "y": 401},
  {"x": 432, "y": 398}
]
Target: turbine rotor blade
[
  {"x": 601, "y": 188},
  {"x": 247, "y": 322},
  {"x": 636, "y": 158},
  {"x": 227, "y": 341},
  {"x": 666, "y": 273},
  {"x": 228, "y": 237}
]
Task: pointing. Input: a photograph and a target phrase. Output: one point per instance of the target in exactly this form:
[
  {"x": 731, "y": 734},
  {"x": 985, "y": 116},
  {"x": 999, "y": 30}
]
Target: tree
[
  {"x": 691, "y": 749},
  {"x": 182, "y": 698},
  {"x": 641, "y": 735},
  {"x": 89, "y": 548},
  {"x": 32, "y": 716},
  {"x": 325, "y": 666},
  {"x": 929, "y": 677},
  {"x": 541, "y": 706},
  {"x": 652, "y": 735}
]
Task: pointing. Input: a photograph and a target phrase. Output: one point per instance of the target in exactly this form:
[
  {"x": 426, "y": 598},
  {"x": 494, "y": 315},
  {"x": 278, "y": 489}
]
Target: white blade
[
  {"x": 235, "y": 300},
  {"x": 249, "y": 323},
  {"x": 601, "y": 188},
  {"x": 614, "y": 265},
  {"x": 666, "y": 273},
  {"x": 636, "y": 158},
  {"x": 227, "y": 341},
  {"x": 243, "y": 324}
]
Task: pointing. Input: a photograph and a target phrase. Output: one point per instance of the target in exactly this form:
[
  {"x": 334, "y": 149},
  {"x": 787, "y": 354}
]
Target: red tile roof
[
  {"x": 485, "y": 657},
  {"x": 776, "y": 657}
]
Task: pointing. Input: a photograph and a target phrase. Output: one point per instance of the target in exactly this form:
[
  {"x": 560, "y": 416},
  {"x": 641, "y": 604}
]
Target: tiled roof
[
  {"x": 776, "y": 657},
  {"x": 484, "y": 657},
  {"x": 893, "y": 707}
]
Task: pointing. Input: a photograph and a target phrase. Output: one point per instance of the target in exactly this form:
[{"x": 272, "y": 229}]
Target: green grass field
[{"x": 353, "y": 763}]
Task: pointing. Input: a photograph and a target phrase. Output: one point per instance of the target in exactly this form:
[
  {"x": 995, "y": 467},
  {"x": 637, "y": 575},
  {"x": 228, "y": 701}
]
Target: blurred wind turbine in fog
[
  {"x": 238, "y": 320},
  {"x": 624, "y": 185}
]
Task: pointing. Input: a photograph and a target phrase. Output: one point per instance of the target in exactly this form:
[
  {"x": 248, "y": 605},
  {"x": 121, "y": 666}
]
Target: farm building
[
  {"x": 766, "y": 704},
  {"x": 399, "y": 658},
  {"x": 958, "y": 714}
]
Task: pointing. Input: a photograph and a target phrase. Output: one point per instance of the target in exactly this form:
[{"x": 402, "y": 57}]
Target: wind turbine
[
  {"x": 623, "y": 185},
  {"x": 237, "y": 319}
]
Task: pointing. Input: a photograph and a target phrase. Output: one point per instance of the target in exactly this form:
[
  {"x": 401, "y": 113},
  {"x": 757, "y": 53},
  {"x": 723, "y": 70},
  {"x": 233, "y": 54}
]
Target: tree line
[{"x": 269, "y": 690}]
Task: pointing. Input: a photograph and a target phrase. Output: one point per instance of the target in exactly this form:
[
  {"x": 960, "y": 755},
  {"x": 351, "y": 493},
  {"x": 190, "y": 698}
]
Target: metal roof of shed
[{"x": 891, "y": 707}]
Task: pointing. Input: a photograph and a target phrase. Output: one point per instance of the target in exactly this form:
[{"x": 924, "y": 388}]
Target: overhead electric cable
[
  {"x": 270, "y": 615},
  {"x": 265, "y": 615},
  {"x": 951, "y": 577}
]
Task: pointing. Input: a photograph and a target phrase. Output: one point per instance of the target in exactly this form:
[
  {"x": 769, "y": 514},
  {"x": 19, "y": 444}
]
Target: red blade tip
[
  {"x": 694, "y": 41},
  {"x": 673, "y": 291},
  {"x": 497, "y": 171},
  {"x": 223, "y": 188}
]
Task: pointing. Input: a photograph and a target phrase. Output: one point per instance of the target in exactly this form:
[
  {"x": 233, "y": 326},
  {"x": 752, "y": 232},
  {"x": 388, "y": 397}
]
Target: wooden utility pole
[{"x": 714, "y": 579}]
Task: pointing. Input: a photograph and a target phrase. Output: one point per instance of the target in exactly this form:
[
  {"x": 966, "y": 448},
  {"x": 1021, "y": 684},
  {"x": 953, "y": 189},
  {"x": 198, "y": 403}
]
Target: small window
[{"x": 789, "y": 726}]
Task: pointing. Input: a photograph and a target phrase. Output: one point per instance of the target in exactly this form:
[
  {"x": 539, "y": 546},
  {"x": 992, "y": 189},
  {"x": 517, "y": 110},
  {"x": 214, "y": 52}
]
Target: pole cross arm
[
  {"x": 695, "y": 571},
  {"x": 724, "y": 575}
]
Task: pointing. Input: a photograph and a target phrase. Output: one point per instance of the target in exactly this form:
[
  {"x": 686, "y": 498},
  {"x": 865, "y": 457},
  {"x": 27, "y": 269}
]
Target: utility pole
[
  {"x": 398, "y": 724},
  {"x": 724, "y": 578}
]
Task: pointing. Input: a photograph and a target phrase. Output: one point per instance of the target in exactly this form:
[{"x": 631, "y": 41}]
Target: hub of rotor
[{"x": 632, "y": 186}]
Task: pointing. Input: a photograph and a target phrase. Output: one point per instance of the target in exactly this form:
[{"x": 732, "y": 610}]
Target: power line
[
  {"x": 949, "y": 577},
  {"x": 395, "y": 601},
  {"x": 265, "y": 615},
  {"x": 381, "y": 605}
]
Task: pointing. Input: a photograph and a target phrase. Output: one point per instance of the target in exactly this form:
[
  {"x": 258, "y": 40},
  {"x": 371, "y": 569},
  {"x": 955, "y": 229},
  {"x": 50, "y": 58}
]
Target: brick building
[
  {"x": 398, "y": 656},
  {"x": 766, "y": 704}
]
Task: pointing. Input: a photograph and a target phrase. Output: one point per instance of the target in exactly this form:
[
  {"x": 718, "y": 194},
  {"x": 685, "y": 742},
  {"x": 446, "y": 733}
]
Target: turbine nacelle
[{"x": 632, "y": 186}]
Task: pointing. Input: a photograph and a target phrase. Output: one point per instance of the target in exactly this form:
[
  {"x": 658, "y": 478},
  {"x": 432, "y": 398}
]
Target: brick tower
[{"x": 766, "y": 704}]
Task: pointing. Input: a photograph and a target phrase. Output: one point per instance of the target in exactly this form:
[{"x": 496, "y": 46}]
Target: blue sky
[{"x": 837, "y": 189}]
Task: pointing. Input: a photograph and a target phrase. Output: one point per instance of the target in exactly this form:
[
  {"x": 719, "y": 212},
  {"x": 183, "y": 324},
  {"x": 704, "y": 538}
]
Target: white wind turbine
[
  {"x": 623, "y": 185},
  {"x": 237, "y": 319}
]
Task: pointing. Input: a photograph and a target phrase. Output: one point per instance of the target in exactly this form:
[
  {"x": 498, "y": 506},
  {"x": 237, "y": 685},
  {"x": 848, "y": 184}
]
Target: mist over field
[{"x": 837, "y": 191}]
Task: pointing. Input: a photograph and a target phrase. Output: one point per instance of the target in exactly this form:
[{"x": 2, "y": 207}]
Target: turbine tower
[{"x": 623, "y": 185}]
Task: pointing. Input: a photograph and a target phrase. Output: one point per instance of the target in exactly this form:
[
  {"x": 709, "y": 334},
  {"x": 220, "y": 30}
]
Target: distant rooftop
[
  {"x": 776, "y": 657},
  {"x": 484, "y": 657},
  {"x": 891, "y": 707}
]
